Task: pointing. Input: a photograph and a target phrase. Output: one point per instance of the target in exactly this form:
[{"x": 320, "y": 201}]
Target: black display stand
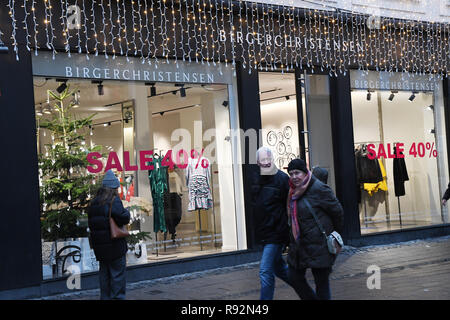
[
  {"x": 200, "y": 229},
  {"x": 399, "y": 211}
]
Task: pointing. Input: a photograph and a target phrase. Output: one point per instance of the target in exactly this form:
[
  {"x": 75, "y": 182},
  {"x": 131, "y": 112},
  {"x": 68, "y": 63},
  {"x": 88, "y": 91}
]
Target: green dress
[{"x": 158, "y": 185}]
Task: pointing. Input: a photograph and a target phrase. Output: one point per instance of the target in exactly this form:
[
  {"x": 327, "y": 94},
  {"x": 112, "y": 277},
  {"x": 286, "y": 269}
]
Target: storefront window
[
  {"x": 400, "y": 150},
  {"x": 183, "y": 206}
]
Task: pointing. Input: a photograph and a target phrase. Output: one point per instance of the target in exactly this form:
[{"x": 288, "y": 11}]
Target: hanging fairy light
[
  {"x": 12, "y": 14},
  {"x": 174, "y": 34},
  {"x": 111, "y": 29},
  {"x": 64, "y": 27},
  {"x": 94, "y": 27},
  {"x": 147, "y": 38},
  {"x": 25, "y": 22}
]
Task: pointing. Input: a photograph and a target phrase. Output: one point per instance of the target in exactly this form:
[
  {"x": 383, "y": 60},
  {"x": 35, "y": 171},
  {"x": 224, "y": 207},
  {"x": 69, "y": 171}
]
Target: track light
[
  {"x": 225, "y": 103},
  {"x": 62, "y": 86},
  {"x": 368, "y": 95},
  {"x": 287, "y": 97},
  {"x": 100, "y": 89},
  {"x": 182, "y": 92},
  {"x": 152, "y": 89},
  {"x": 161, "y": 113},
  {"x": 430, "y": 107},
  {"x": 413, "y": 96},
  {"x": 392, "y": 95}
]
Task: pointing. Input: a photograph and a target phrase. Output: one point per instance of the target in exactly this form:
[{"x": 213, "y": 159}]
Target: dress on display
[
  {"x": 172, "y": 203},
  {"x": 158, "y": 184},
  {"x": 198, "y": 181}
]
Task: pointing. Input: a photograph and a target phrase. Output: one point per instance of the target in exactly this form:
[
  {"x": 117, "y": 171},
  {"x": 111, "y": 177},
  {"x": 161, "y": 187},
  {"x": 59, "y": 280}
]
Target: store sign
[
  {"x": 121, "y": 68},
  {"x": 395, "y": 81}
]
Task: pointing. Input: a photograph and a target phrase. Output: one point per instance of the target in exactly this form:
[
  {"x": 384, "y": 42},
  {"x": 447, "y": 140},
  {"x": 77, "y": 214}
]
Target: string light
[
  {"x": 85, "y": 31},
  {"x": 64, "y": 26},
  {"x": 266, "y": 35},
  {"x": 26, "y": 14},
  {"x": 94, "y": 27},
  {"x": 12, "y": 14},
  {"x": 147, "y": 39}
]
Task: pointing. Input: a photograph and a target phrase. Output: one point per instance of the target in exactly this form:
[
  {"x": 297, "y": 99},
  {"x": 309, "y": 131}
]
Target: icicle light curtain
[{"x": 260, "y": 36}]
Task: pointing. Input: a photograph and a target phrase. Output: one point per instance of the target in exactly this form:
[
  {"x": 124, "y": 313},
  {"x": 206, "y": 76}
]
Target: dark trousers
[
  {"x": 298, "y": 281},
  {"x": 112, "y": 279}
]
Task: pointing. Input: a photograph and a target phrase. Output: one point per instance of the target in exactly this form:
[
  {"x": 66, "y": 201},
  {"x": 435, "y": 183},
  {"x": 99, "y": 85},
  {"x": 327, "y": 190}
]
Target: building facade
[{"x": 176, "y": 97}]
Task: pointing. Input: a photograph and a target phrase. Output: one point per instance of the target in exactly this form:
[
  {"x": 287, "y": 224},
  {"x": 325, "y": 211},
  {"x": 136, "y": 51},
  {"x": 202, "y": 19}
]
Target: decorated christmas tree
[{"x": 66, "y": 187}]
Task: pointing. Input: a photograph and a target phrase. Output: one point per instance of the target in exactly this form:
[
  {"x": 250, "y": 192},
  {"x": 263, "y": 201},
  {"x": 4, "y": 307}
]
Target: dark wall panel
[
  {"x": 344, "y": 158},
  {"x": 250, "y": 118},
  {"x": 20, "y": 249}
]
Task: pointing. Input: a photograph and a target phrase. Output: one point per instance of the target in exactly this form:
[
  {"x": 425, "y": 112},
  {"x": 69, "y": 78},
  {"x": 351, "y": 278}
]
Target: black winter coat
[
  {"x": 105, "y": 248},
  {"x": 311, "y": 251},
  {"x": 269, "y": 195}
]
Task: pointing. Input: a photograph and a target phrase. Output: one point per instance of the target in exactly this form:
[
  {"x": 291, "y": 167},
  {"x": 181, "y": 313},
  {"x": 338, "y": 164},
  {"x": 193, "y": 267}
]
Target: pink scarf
[{"x": 294, "y": 194}]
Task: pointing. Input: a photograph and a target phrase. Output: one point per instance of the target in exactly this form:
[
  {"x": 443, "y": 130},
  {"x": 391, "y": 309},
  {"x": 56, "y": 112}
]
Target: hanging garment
[
  {"x": 198, "y": 181},
  {"x": 371, "y": 188},
  {"x": 158, "y": 185},
  {"x": 400, "y": 175},
  {"x": 172, "y": 211},
  {"x": 367, "y": 170}
]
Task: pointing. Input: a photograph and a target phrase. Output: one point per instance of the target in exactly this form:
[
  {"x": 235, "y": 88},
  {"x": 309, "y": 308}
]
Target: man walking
[{"x": 269, "y": 193}]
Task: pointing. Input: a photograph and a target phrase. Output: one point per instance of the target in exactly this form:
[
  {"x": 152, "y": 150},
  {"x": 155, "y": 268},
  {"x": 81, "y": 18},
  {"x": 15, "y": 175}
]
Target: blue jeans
[
  {"x": 301, "y": 286},
  {"x": 272, "y": 264},
  {"x": 112, "y": 279}
]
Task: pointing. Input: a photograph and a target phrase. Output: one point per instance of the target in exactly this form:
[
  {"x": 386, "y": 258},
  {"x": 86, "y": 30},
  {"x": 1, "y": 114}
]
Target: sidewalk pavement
[{"x": 414, "y": 270}]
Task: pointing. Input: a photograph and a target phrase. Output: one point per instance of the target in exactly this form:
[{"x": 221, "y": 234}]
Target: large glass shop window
[
  {"x": 168, "y": 146},
  {"x": 400, "y": 151}
]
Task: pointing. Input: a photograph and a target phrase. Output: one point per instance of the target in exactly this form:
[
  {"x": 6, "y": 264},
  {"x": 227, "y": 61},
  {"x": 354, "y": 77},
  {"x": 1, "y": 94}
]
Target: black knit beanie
[{"x": 298, "y": 164}]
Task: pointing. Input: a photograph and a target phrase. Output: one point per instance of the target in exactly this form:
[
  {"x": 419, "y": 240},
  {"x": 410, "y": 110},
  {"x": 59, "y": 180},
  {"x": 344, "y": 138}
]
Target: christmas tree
[{"x": 66, "y": 187}]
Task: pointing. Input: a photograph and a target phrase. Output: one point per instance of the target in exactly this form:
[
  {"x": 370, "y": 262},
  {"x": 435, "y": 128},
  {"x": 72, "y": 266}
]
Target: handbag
[
  {"x": 116, "y": 232},
  {"x": 333, "y": 240}
]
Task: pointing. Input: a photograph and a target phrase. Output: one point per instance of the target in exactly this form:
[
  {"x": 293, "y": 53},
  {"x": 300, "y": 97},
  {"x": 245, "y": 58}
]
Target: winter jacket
[
  {"x": 310, "y": 250},
  {"x": 269, "y": 196},
  {"x": 447, "y": 193},
  {"x": 400, "y": 175},
  {"x": 105, "y": 248}
]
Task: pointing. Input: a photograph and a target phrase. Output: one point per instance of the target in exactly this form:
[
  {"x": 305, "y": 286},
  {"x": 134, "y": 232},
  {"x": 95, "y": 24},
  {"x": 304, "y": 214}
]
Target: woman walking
[
  {"x": 111, "y": 253},
  {"x": 308, "y": 247}
]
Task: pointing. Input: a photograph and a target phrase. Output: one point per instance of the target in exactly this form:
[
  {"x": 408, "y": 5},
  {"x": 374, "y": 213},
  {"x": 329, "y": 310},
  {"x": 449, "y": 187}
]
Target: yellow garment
[{"x": 371, "y": 188}]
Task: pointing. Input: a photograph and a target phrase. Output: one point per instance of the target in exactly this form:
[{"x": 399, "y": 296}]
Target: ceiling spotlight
[
  {"x": 430, "y": 107},
  {"x": 391, "y": 97},
  {"x": 287, "y": 97},
  {"x": 152, "y": 89},
  {"x": 182, "y": 92},
  {"x": 225, "y": 103},
  {"x": 62, "y": 86},
  {"x": 412, "y": 97},
  {"x": 161, "y": 113},
  {"x": 100, "y": 89},
  {"x": 368, "y": 95}
]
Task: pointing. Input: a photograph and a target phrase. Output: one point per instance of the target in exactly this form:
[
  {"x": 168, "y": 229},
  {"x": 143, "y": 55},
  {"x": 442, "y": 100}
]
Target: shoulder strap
[
  {"x": 315, "y": 217},
  {"x": 110, "y": 208}
]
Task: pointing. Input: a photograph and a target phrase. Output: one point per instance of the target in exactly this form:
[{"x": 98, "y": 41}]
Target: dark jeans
[
  {"x": 272, "y": 264},
  {"x": 305, "y": 292},
  {"x": 112, "y": 279}
]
